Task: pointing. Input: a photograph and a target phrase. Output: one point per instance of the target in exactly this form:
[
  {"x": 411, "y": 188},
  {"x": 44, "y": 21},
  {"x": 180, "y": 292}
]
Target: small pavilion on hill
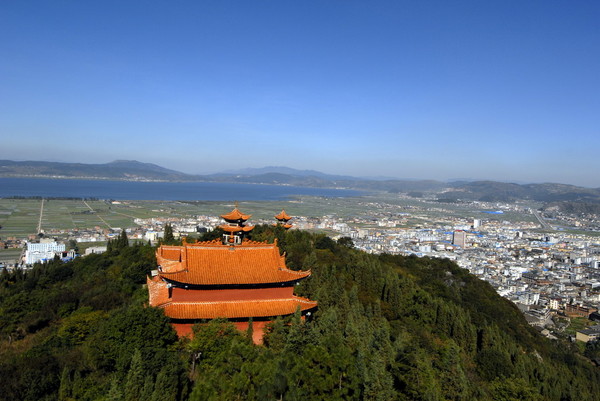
[
  {"x": 232, "y": 278},
  {"x": 283, "y": 220}
]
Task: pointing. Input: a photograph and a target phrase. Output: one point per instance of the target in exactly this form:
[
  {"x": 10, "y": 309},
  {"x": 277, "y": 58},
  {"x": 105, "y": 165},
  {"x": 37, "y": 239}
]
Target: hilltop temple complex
[{"x": 233, "y": 278}]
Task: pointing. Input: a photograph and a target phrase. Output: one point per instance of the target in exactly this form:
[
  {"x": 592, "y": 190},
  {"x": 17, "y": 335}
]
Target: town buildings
[{"x": 44, "y": 250}]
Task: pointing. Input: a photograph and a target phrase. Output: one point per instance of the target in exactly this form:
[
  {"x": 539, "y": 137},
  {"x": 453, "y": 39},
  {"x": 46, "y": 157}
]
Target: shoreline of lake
[{"x": 11, "y": 187}]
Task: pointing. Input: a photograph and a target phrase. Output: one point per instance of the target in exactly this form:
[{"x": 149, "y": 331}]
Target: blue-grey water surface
[{"x": 185, "y": 191}]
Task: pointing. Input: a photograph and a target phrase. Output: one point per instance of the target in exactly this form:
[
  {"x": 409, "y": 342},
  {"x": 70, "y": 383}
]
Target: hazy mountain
[
  {"x": 287, "y": 171},
  {"x": 119, "y": 169},
  {"x": 135, "y": 165},
  {"x": 493, "y": 191},
  {"x": 313, "y": 178}
]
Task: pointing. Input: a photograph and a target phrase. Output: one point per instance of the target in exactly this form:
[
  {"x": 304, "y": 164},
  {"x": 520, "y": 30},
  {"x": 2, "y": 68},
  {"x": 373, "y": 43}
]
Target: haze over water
[{"x": 184, "y": 191}]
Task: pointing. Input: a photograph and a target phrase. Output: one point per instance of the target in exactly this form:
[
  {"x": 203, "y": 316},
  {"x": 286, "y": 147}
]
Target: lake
[{"x": 135, "y": 190}]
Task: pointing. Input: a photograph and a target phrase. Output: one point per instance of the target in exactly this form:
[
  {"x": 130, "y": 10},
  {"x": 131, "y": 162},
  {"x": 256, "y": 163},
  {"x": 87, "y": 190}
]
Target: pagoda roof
[
  {"x": 213, "y": 263},
  {"x": 235, "y": 229},
  {"x": 158, "y": 291},
  {"x": 283, "y": 216},
  {"x": 237, "y": 309},
  {"x": 235, "y": 214}
]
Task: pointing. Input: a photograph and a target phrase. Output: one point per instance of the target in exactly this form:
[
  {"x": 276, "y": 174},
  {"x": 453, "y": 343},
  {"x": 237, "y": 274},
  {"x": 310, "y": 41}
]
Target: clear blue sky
[{"x": 505, "y": 90}]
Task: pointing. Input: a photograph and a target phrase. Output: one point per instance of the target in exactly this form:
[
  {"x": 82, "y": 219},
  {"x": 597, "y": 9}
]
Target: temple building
[
  {"x": 283, "y": 220},
  {"x": 233, "y": 278}
]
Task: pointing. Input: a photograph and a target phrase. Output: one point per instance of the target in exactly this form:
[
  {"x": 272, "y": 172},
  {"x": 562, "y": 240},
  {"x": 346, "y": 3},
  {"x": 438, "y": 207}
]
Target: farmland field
[{"x": 23, "y": 217}]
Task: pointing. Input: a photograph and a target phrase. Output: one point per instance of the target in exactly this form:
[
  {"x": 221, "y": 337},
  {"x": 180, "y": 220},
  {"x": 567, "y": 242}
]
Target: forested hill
[{"x": 387, "y": 328}]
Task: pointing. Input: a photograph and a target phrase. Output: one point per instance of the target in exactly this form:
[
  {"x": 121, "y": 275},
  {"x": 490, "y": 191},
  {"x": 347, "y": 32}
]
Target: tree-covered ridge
[
  {"x": 71, "y": 330},
  {"x": 388, "y": 327}
]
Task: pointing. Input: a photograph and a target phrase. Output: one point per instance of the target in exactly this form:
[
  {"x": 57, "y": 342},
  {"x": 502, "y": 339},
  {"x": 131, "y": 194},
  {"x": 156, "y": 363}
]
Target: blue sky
[{"x": 504, "y": 90}]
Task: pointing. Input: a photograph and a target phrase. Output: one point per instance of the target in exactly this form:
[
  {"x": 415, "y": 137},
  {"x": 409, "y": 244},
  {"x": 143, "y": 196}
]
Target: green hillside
[{"x": 388, "y": 327}]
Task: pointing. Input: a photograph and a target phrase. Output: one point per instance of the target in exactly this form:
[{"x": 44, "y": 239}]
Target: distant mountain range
[
  {"x": 118, "y": 169},
  {"x": 286, "y": 171},
  {"x": 454, "y": 191}
]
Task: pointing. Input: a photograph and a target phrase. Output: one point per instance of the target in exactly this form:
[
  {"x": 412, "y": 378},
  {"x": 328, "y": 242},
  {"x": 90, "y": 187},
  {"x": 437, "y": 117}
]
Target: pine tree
[
  {"x": 64, "y": 391},
  {"x": 114, "y": 393},
  {"x": 295, "y": 337},
  {"x": 166, "y": 384},
  {"x": 134, "y": 383},
  {"x": 378, "y": 382},
  {"x": 77, "y": 386},
  {"x": 123, "y": 240},
  {"x": 168, "y": 237},
  {"x": 276, "y": 334},
  {"x": 148, "y": 389},
  {"x": 250, "y": 329}
]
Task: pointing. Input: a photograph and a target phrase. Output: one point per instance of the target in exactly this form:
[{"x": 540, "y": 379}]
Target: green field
[
  {"x": 9, "y": 256},
  {"x": 577, "y": 324},
  {"x": 18, "y": 217},
  {"x": 21, "y": 217}
]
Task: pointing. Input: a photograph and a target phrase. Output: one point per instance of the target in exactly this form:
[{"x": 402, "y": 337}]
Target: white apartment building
[{"x": 44, "y": 250}]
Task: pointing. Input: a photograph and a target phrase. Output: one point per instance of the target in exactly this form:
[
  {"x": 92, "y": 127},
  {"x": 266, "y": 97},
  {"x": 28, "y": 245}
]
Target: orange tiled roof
[
  {"x": 237, "y": 309},
  {"x": 171, "y": 253},
  {"x": 170, "y": 257},
  {"x": 212, "y": 263},
  {"x": 235, "y": 214},
  {"x": 235, "y": 229},
  {"x": 158, "y": 291},
  {"x": 283, "y": 216}
]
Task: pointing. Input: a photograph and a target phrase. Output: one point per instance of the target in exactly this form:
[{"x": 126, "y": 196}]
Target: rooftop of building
[{"x": 214, "y": 263}]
